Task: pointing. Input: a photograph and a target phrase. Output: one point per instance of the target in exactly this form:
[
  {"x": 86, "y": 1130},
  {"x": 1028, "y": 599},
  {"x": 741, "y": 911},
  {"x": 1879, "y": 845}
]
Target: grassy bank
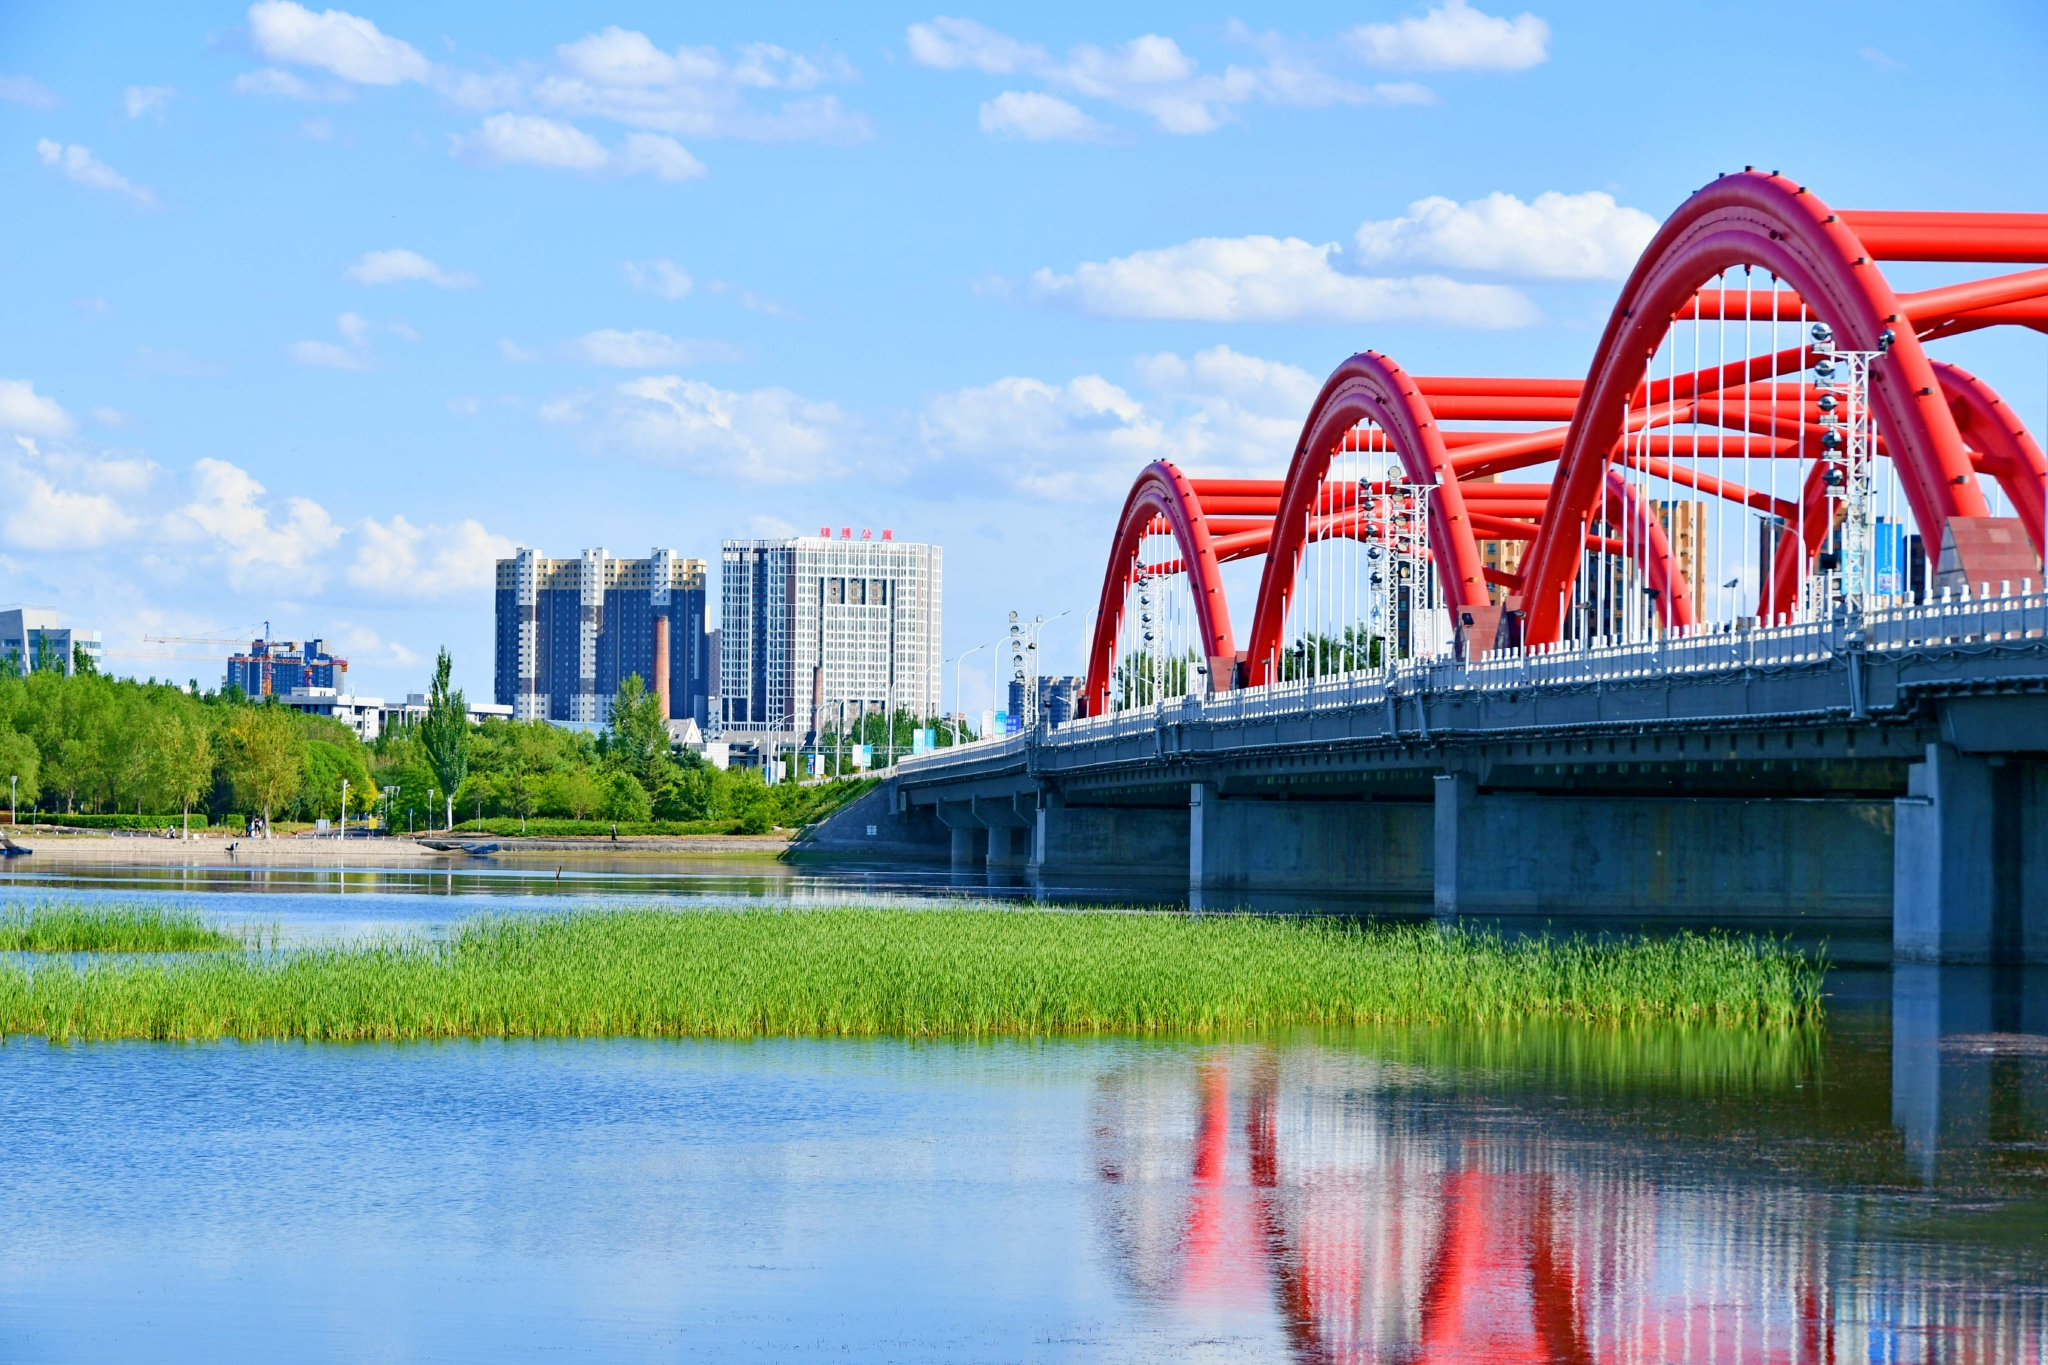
[
  {"x": 649, "y": 973},
  {"x": 54, "y": 927}
]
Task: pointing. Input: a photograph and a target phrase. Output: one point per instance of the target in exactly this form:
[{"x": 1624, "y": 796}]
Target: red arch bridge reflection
[{"x": 1382, "y": 1225}]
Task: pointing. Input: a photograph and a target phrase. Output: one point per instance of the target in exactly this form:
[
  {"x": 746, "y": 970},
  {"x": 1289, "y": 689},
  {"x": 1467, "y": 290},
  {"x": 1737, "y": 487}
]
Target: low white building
[
  {"x": 363, "y": 715},
  {"x": 31, "y": 637},
  {"x": 413, "y": 710}
]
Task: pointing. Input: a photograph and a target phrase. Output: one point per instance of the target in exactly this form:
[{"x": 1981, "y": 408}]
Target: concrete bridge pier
[
  {"x": 1358, "y": 847},
  {"x": 1642, "y": 854},
  {"x": 1970, "y": 880},
  {"x": 1107, "y": 841}
]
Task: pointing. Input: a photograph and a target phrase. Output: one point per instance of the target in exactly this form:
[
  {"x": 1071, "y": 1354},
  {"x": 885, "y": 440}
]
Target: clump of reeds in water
[
  {"x": 66, "y": 927},
  {"x": 907, "y": 973}
]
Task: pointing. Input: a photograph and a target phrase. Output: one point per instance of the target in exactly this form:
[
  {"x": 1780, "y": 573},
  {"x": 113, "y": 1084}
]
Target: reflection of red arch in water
[{"x": 1518, "y": 1266}]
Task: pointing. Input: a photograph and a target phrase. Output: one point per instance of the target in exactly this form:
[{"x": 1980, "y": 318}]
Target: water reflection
[{"x": 1417, "y": 1199}]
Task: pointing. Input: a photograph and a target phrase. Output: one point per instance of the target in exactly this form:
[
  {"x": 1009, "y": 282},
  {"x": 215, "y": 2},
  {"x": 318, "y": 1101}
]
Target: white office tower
[{"x": 818, "y": 628}]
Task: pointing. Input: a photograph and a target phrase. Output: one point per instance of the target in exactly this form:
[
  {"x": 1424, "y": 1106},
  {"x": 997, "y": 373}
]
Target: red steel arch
[
  {"x": 1161, "y": 494},
  {"x": 1367, "y": 387},
  {"x": 1754, "y": 219},
  {"x": 1940, "y": 426}
]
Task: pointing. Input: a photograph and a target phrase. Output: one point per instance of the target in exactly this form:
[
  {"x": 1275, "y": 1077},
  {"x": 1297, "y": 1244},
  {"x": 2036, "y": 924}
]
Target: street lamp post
[
  {"x": 11, "y": 785},
  {"x": 959, "y": 701},
  {"x": 343, "y": 834}
]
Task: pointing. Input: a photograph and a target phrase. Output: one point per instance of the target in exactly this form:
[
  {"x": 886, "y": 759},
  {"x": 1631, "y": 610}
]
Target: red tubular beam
[
  {"x": 1933, "y": 304},
  {"x": 1237, "y": 488},
  {"x": 1462, "y": 386},
  {"x": 2027, "y": 313},
  {"x": 1486, "y": 527},
  {"x": 1460, "y": 409},
  {"x": 1720, "y": 488},
  {"x": 2006, "y": 237},
  {"x": 1230, "y": 526},
  {"x": 1732, "y": 305},
  {"x": 1239, "y": 507}
]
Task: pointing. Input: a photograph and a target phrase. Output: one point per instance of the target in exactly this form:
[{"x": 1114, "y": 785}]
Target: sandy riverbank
[{"x": 213, "y": 848}]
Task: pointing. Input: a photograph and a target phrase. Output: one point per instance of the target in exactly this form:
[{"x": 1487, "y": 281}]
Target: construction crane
[{"x": 196, "y": 640}]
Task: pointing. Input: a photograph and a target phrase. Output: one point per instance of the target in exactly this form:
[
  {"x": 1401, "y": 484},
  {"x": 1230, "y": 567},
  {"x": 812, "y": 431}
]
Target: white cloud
[
  {"x": 28, "y": 91},
  {"x": 1150, "y": 74},
  {"x": 1039, "y": 117},
  {"x": 1218, "y": 412},
  {"x": 258, "y": 542},
  {"x": 464, "y": 405},
  {"x": 42, "y": 516},
  {"x": 1454, "y": 37},
  {"x": 405, "y": 560},
  {"x": 1556, "y": 236},
  {"x": 349, "y": 46},
  {"x": 954, "y": 44},
  {"x": 661, "y": 157},
  {"x": 507, "y": 139},
  {"x": 64, "y": 501},
  {"x": 399, "y": 265},
  {"x": 647, "y": 350},
  {"x": 24, "y": 410},
  {"x": 620, "y": 75},
  {"x": 522, "y": 138},
  {"x": 79, "y": 165},
  {"x": 662, "y": 278},
  {"x": 517, "y": 354},
  {"x": 762, "y": 436},
  {"x": 153, "y": 100},
  {"x": 326, "y": 355},
  {"x": 286, "y": 85},
  {"x": 1271, "y": 279}
]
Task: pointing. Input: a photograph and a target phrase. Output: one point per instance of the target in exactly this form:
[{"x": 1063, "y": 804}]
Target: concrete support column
[
  {"x": 1004, "y": 851},
  {"x": 1457, "y": 802},
  {"x": 963, "y": 840},
  {"x": 1200, "y": 795},
  {"x": 1944, "y": 884},
  {"x": 1045, "y": 827}
]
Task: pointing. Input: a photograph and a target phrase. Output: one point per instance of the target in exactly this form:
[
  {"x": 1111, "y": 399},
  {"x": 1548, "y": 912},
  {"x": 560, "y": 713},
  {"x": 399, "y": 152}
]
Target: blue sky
[{"x": 315, "y": 312}]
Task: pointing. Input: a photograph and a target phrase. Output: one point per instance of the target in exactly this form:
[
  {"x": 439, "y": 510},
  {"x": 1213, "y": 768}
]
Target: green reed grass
[
  {"x": 58, "y": 927},
  {"x": 906, "y": 973}
]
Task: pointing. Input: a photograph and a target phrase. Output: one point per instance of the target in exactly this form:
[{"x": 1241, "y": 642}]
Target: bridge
[{"x": 1749, "y": 621}]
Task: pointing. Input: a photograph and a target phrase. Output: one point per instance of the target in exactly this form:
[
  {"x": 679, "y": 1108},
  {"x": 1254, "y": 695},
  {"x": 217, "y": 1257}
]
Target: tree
[
  {"x": 18, "y": 759},
  {"x": 262, "y": 758},
  {"x": 181, "y": 758},
  {"x": 445, "y": 731},
  {"x": 638, "y": 733},
  {"x": 82, "y": 664},
  {"x": 572, "y": 794}
]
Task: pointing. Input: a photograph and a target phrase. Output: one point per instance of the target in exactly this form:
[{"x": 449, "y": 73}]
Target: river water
[{"x": 1876, "y": 1190}]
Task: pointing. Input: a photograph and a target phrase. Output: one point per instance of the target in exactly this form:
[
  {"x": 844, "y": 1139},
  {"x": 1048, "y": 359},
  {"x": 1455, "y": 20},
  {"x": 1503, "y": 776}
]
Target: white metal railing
[{"x": 1959, "y": 620}]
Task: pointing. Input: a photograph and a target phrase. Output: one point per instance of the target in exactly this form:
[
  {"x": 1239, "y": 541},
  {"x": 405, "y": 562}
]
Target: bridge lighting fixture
[
  {"x": 1822, "y": 334},
  {"x": 1827, "y": 402}
]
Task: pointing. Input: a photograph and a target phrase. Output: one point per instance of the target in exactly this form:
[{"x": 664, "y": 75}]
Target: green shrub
[
  {"x": 115, "y": 821},
  {"x": 543, "y": 827}
]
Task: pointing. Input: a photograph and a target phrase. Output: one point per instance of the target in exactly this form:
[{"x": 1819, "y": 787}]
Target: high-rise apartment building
[
  {"x": 571, "y": 630},
  {"x": 818, "y": 627}
]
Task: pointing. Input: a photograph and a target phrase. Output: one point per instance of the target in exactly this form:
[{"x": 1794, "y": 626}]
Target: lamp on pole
[
  {"x": 1036, "y": 626},
  {"x": 959, "y": 701},
  {"x": 343, "y": 834}
]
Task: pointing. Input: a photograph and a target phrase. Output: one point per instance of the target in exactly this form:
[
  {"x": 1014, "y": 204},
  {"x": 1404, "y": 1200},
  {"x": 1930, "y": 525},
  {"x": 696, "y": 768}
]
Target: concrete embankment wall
[{"x": 871, "y": 827}]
